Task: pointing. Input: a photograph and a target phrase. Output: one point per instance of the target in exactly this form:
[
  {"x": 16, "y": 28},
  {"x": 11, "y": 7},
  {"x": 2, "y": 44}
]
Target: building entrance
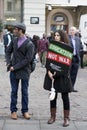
[
  {"x": 59, "y": 26},
  {"x": 59, "y": 21}
]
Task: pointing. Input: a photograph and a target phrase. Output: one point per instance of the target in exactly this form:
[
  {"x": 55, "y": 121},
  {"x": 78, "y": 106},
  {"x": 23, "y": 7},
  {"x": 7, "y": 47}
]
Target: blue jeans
[{"x": 14, "y": 93}]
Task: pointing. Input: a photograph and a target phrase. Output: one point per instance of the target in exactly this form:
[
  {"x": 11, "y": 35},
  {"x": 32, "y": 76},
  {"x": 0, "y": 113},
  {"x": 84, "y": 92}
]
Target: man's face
[
  {"x": 17, "y": 32},
  {"x": 72, "y": 31}
]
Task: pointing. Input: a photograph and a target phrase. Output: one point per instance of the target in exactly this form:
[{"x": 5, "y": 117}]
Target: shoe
[
  {"x": 51, "y": 120},
  {"x": 14, "y": 115},
  {"x": 27, "y": 115},
  {"x": 74, "y": 90},
  {"x": 53, "y": 116},
  {"x": 43, "y": 66},
  {"x": 66, "y": 122}
]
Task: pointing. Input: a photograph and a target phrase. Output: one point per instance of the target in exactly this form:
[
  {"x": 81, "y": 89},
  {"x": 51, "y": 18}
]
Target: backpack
[
  {"x": 5, "y": 38},
  {"x": 33, "y": 62}
]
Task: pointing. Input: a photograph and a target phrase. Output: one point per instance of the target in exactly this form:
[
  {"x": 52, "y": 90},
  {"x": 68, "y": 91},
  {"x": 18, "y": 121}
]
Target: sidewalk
[{"x": 39, "y": 103}]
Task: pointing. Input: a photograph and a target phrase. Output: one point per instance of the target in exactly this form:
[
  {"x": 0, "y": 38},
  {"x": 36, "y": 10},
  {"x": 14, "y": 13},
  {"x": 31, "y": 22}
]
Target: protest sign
[{"x": 59, "y": 57}]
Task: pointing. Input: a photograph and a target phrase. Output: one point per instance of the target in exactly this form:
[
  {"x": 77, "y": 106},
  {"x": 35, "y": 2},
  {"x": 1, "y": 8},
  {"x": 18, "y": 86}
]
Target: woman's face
[{"x": 57, "y": 36}]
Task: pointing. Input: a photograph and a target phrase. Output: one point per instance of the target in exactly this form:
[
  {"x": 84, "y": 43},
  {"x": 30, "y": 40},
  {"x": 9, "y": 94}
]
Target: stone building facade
[
  {"x": 43, "y": 15},
  {"x": 52, "y": 15}
]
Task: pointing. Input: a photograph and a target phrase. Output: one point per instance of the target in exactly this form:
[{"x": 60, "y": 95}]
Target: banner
[{"x": 59, "y": 57}]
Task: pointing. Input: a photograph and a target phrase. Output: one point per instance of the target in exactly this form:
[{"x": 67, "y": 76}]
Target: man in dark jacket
[
  {"x": 18, "y": 56},
  {"x": 77, "y": 45}
]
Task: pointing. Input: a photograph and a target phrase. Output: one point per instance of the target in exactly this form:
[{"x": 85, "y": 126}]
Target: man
[
  {"x": 77, "y": 45},
  {"x": 18, "y": 56},
  {"x": 42, "y": 48},
  {"x": 7, "y": 37}
]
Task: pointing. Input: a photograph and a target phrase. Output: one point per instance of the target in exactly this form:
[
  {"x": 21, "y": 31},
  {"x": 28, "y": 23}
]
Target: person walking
[
  {"x": 42, "y": 48},
  {"x": 62, "y": 84},
  {"x": 18, "y": 57},
  {"x": 76, "y": 43}
]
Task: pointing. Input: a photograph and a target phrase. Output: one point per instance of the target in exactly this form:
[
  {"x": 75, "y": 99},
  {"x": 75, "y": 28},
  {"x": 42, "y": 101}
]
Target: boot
[
  {"x": 53, "y": 116},
  {"x": 66, "y": 118}
]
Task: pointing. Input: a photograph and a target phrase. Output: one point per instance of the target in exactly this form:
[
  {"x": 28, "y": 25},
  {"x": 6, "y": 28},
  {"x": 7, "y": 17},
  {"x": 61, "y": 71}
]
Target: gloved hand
[{"x": 52, "y": 94}]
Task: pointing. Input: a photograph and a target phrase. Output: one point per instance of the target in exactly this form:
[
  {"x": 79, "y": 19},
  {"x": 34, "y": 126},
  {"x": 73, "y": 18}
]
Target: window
[
  {"x": 34, "y": 20},
  {"x": 9, "y": 6}
]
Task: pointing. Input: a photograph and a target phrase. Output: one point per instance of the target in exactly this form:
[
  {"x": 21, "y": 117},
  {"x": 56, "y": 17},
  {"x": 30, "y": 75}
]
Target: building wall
[
  {"x": 1, "y": 9},
  {"x": 13, "y": 14},
  {"x": 59, "y": 10},
  {"x": 39, "y": 8},
  {"x": 67, "y": 2},
  {"x": 33, "y": 8}
]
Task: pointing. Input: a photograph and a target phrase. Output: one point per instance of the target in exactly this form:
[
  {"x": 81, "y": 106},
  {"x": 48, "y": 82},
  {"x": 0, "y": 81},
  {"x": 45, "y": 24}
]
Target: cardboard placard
[{"x": 59, "y": 57}]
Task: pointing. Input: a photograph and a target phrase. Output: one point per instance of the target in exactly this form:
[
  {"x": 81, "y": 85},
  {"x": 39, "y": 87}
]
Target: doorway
[
  {"x": 59, "y": 26},
  {"x": 59, "y": 18}
]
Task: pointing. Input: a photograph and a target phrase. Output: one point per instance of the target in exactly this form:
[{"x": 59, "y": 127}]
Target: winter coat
[
  {"x": 62, "y": 83},
  {"x": 78, "y": 46},
  {"x": 20, "y": 58}
]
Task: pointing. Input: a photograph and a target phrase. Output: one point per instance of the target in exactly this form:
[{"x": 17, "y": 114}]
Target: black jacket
[
  {"x": 62, "y": 83},
  {"x": 20, "y": 58},
  {"x": 78, "y": 46}
]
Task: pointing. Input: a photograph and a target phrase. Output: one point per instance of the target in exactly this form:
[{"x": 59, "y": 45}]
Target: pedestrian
[
  {"x": 62, "y": 84},
  {"x": 51, "y": 37},
  {"x": 7, "y": 37},
  {"x": 42, "y": 48},
  {"x": 76, "y": 43},
  {"x": 18, "y": 56},
  {"x": 78, "y": 34},
  {"x": 35, "y": 42}
]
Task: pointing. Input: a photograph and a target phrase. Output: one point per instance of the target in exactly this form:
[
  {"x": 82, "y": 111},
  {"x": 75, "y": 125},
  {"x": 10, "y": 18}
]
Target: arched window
[{"x": 59, "y": 21}]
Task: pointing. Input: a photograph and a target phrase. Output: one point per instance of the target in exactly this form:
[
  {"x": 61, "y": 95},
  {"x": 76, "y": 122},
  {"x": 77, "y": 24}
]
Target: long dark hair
[{"x": 63, "y": 36}]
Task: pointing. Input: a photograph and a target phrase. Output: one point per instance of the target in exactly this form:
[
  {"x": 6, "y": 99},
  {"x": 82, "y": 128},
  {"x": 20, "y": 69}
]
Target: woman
[{"x": 62, "y": 84}]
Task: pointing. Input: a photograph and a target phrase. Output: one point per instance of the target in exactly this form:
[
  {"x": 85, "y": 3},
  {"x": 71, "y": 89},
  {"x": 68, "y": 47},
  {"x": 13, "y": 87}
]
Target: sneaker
[
  {"x": 14, "y": 115},
  {"x": 27, "y": 115},
  {"x": 43, "y": 66}
]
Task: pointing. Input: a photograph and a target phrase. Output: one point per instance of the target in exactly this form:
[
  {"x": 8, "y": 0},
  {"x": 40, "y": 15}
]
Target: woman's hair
[{"x": 63, "y": 36}]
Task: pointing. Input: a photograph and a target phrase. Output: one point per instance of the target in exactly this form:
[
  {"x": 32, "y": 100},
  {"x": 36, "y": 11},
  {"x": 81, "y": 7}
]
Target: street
[{"x": 39, "y": 103}]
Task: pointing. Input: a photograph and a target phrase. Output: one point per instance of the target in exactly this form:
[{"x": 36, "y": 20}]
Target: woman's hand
[
  {"x": 51, "y": 75},
  {"x": 11, "y": 68}
]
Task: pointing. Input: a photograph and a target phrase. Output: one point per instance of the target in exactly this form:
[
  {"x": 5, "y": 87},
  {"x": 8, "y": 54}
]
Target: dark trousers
[
  {"x": 81, "y": 59},
  {"x": 5, "y": 49},
  {"x": 14, "y": 93},
  {"x": 74, "y": 70},
  {"x": 65, "y": 98}
]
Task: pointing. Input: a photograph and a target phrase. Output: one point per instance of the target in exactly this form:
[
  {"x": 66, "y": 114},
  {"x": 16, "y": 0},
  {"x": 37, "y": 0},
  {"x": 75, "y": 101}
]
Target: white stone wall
[
  {"x": 68, "y": 2},
  {"x": 34, "y": 8}
]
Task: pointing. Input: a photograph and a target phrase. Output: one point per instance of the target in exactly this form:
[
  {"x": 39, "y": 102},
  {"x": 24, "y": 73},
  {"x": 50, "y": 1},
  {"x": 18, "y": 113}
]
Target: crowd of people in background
[{"x": 40, "y": 43}]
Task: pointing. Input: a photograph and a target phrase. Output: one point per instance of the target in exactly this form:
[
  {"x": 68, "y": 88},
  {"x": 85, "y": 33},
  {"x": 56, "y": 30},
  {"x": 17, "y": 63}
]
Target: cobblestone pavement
[{"x": 38, "y": 97}]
